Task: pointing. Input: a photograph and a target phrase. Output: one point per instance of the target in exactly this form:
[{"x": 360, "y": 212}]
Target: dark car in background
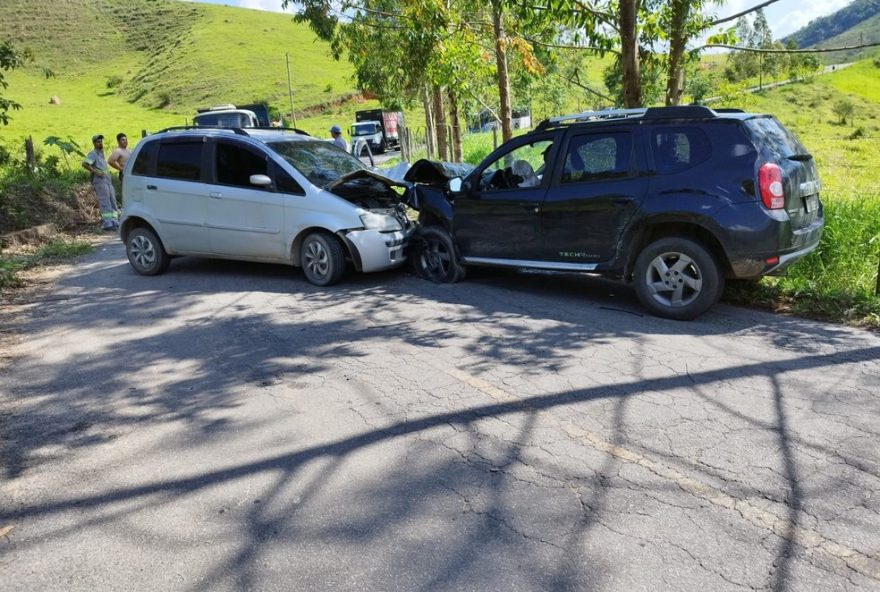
[{"x": 671, "y": 199}]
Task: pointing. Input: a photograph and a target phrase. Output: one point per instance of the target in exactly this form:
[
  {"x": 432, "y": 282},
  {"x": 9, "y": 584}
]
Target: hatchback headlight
[{"x": 380, "y": 222}]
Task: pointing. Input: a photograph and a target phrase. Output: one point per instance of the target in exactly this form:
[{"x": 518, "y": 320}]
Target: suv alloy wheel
[{"x": 677, "y": 278}]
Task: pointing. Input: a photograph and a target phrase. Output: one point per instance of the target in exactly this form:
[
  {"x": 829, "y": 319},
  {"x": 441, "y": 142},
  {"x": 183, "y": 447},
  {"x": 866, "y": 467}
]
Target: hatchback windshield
[{"x": 320, "y": 162}]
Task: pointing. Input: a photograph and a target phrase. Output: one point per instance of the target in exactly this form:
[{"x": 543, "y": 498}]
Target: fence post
[
  {"x": 877, "y": 289},
  {"x": 29, "y": 156}
]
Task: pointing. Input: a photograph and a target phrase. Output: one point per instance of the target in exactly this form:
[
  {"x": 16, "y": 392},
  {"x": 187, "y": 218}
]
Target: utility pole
[{"x": 290, "y": 89}]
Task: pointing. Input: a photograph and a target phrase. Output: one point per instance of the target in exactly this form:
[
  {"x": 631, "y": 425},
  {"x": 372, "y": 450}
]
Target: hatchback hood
[{"x": 363, "y": 174}]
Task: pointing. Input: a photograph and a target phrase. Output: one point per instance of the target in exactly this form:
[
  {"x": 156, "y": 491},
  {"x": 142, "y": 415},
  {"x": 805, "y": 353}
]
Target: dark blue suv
[{"x": 671, "y": 199}]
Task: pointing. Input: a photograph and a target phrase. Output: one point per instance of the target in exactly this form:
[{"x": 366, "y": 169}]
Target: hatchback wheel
[
  {"x": 145, "y": 252},
  {"x": 677, "y": 278},
  {"x": 433, "y": 256},
  {"x": 322, "y": 259}
]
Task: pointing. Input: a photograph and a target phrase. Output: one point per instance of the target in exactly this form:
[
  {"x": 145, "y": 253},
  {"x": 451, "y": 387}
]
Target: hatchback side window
[
  {"x": 593, "y": 157},
  {"x": 145, "y": 160},
  {"x": 678, "y": 149},
  {"x": 234, "y": 165},
  {"x": 180, "y": 160}
]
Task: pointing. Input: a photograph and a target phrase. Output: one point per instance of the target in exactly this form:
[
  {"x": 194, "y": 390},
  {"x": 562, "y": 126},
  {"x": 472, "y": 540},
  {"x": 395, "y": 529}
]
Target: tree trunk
[
  {"x": 456, "y": 127},
  {"x": 440, "y": 125},
  {"x": 629, "y": 55},
  {"x": 501, "y": 64},
  {"x": 677, "y": 41},
  {"x": 429, "y": 124}
]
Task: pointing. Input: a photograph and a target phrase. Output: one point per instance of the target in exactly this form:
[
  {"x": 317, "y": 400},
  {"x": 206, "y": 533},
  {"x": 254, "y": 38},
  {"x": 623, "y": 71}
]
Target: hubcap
[
  {"x": 674, "y": 279},
  {"x": 317, "y": 260},
  {"x": 142, "y": 252}
]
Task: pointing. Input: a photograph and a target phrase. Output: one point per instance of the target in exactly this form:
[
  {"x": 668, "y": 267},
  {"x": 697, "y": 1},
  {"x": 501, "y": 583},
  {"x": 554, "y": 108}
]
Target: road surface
[{"x": 228, "y": 426}]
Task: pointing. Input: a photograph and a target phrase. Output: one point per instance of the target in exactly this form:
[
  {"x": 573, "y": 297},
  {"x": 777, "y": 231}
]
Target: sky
[{"x": 785, "y": 17}]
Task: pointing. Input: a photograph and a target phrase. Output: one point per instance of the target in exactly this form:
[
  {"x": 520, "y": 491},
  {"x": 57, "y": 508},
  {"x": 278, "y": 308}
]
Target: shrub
[
  {"x": 844, "y": 109},
  {"x": 114, "y": 81}
]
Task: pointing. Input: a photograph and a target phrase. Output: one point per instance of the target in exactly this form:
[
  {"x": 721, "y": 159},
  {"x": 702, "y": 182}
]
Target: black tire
[
  {"x": 322, "y": 259},
  {"x": 677, "y": 278},
  {"x": 433, "y": 256},
  {"x": 145, "y": 252}
]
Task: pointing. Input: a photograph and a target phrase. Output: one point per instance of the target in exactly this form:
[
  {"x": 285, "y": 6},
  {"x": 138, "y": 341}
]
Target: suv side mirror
[
  {"x": 455, "y": 185},
  {"x": 260, "y": 180}
]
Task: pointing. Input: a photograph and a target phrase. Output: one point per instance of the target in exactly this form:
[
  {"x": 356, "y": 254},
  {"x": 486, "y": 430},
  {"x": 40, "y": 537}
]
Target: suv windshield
[
  {"x": 320, "y": 162},
  {"x": 364, "y": 129}
]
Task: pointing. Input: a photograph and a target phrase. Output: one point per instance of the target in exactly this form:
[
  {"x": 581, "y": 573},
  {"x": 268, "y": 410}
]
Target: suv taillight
[{"x": 770, "y": 182}]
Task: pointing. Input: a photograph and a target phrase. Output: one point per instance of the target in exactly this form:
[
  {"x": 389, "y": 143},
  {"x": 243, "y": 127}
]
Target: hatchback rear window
[{"x": 769, "y": 134}]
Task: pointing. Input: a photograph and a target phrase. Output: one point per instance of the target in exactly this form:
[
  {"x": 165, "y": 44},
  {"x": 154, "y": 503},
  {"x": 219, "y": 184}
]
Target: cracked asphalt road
[{"x": 227, "y": 426}]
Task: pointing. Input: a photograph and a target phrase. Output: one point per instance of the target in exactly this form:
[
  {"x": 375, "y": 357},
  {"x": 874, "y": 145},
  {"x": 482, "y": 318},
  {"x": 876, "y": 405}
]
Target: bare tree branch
[
  {"x": 582, "y": 47},
  {"x": 817, "y": 50},
  {"x": 572, "y": 80},
  {"x": 739, "y": 14}
]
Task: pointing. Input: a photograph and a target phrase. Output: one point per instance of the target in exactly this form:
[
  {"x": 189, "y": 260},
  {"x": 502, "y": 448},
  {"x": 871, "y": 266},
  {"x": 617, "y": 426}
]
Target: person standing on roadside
[
  {"x": 120, "y": 155},
  {"x": 336, "y": 132},
  {"x": 95, "y": 163}
]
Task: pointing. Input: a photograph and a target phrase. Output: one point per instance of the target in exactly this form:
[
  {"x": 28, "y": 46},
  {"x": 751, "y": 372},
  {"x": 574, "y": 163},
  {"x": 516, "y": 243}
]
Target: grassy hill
[
  {"x": 867, "y": 31},
  {"x": 823, "y": 29},
  {"x": 144, "y": 64}
]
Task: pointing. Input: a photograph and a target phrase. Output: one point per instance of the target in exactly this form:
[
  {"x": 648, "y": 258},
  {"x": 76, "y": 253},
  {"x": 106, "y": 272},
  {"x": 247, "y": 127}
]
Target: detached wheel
[
  {"x": 433, "y": 256},
  {"x": 677, "y": 278},
  {"x": 145, "y": 252},
  {"x": 322, "y": 259}
]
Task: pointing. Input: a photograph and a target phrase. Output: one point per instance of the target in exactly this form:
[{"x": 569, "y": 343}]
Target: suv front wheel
[{"x": 677, "y": 278}]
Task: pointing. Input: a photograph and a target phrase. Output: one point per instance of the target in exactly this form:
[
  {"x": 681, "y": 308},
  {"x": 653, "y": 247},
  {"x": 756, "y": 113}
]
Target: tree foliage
[{"x": 10, "y": 59}]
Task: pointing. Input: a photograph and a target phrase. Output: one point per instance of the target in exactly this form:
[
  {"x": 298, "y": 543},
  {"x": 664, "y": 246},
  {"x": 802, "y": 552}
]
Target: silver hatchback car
[{"x": 259, "y": 195}]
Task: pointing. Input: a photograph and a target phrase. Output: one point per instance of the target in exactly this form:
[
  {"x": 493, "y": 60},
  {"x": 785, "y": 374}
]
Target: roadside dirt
[{"x": 15, "y": 303}]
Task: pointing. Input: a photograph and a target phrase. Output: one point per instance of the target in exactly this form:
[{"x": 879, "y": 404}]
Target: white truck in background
[{"x": 254, "y": 115}]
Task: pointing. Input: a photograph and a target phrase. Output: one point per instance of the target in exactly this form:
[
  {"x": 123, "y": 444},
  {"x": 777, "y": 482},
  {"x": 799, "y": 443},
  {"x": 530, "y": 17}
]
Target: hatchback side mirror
[{"x": 260, "y": 180}]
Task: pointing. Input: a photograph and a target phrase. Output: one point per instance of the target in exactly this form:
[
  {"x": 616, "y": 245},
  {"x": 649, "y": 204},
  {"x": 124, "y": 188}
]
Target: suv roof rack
[
  {"x": 240, "y": 131},
  {"x": 237, "y": 130},
  {"x": 675, "y": 112}
]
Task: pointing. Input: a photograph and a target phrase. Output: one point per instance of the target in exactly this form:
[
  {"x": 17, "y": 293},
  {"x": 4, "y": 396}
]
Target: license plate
[{"x": 811, "y": 203}]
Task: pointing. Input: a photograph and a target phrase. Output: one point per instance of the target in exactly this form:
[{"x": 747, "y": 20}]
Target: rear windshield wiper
[{"x": 801, "y": 157}]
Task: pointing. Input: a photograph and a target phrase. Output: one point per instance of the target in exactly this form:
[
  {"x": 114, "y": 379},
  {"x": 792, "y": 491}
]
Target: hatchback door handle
[
  {"x": 152, "y": 187},
  {"x": 216, "y": 195}
]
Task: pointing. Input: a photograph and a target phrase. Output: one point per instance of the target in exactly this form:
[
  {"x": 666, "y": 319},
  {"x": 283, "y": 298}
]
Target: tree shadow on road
[{"x": 190, "y": 347}]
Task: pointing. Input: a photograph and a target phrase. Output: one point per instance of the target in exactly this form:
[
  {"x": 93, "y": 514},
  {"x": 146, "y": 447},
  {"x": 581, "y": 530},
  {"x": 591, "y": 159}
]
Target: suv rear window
[
  {"x": 180, "y": 160},
  {"x": 768, "y": 133}
]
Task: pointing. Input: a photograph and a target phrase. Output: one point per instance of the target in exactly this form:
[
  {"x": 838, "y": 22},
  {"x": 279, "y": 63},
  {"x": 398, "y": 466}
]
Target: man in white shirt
[{"x": 336, "y": 132}]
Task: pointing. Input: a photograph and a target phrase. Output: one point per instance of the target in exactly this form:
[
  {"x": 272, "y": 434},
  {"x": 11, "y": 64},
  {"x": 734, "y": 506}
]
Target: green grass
[
  {"x": 171, "y": 57},
  {"x": 57, "y": 250}
]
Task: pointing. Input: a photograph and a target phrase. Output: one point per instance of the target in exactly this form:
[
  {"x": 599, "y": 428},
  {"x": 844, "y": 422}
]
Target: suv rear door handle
[
  {"x": 622, "y": 201},
  {"x": 532, "y": 206},
  {"x": 216, "y": 195},
  {"x": 152, "y": 187}
]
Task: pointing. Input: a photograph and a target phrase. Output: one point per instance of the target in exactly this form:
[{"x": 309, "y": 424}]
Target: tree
[{"x": 844, "y": 109}]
